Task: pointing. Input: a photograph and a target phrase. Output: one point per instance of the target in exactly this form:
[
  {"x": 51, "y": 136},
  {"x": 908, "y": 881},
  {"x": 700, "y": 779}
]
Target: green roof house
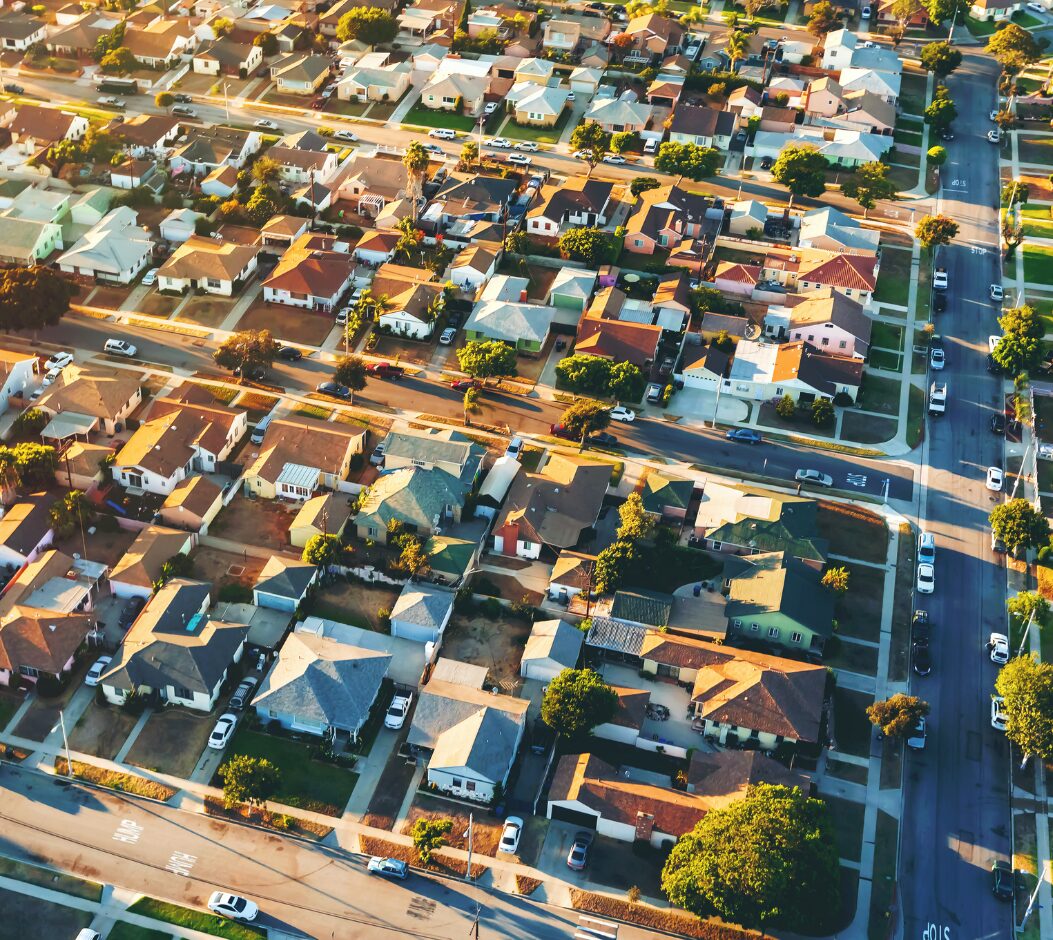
[
  {"x": 449, "y": 557},
  {"x": 777, "y": 600},
  {"x": 422, "y": 500},
  {"x": 666, "y": 495}
]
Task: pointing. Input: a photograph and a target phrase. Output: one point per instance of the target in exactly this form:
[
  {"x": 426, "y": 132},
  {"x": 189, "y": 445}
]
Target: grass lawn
[
  {"x": 427, "y": 117},
  {"x": 194, "y": 920},
  {"x": 852, "y": 728},
  {"x": 1038, "y": 264},
  {"x": 853, "y": 773},
  {"x": 1022, "y": 18},
  {"x": 853, "y": 531},
  {"x": 1038, "y": 228},
  {"x": 306, "y": 783},
  {"x": 1035, "y": 149},
  {"x": 171, "y": 742},
  {"x": 859, "y": 611},
  {"x": 905, "y": 136},
  {"x": 18, "y": 911},
  {"x": 908, "y": 158},
  {"x": 904, "y": 178},
  {"x": 867, "y": 429},
  {"x": 893, "y": 286},
  {"x": 902, "y": 605},
  {"x": 915, "y": 416},
  {"x": 542, "y": 135},
  {"x": 883, "y": 359},
  {"x": 46, "y": 878},
  {"x": 885, "y": 841},
  {"x": 879, "y": 394},
  {"x": 854, "y": 657},
  {"x": 847, "y": 818},
  {"x": 122, "y": 930},
  {"x": 887, "y": 336},
  {"x": 909, "y": 122},
  {"x": 981, "y": 29},
  {"x": 912, "y": 93}
]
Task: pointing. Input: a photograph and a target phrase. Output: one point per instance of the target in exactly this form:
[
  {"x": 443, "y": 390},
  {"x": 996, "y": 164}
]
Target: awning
[{"x": 69, "y": 424}]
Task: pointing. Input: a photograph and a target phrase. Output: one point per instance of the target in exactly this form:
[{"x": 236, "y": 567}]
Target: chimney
[{"x": 523, "y": 296}]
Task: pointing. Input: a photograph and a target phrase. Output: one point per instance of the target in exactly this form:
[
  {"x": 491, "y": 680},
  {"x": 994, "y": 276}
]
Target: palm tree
[
  {"x": 737, "y": 48},
  {"x": 471, "y": 405},
  {"x": 415, "y": 160}
]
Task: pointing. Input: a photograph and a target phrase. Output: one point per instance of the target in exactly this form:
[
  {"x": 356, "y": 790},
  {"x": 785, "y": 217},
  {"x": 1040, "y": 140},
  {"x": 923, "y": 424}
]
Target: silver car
[{"x": 814, "y": 476}]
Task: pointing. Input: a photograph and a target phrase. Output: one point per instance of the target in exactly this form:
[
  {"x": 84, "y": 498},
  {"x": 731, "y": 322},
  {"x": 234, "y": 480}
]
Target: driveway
[
  {"x": 696, "y": 405},
  {"x": 552, "y": 859}
]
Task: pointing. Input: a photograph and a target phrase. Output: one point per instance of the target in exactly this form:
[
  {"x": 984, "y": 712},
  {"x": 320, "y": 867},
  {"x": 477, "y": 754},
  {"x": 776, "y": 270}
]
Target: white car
[
  {"x": 510, "y": 835},
  {"x": 998, "y": 644},
  {"x": 266, "y": 125},
  {"x": 149, "y": 277},
  {"x": 999, "y": 719},
  {"x": 447, "y": 336},
  {"x": 994, "y": 479},
  {"x": 232, "y": 906},
  {"x": 582, "y": 154},
  {"x": 50, "y": 377},
  {"x": 927, "y": 548},
  {"x": 994, "y": 135},
  {"x": 490, "y": 107},
  {"x": 996, "y": 292},
  {"x": 621, "y": 413},
  {"x": 926, "y": 578},
  {"x": 518, "y": 159},
  {"x": 397, "y": 711},
  {"x": 59, "y": 361},
  {"x": 501, "y": 143},
  {"x": 96, "y": 671},
  {"x": 916, "y": 741},
  {"x": 615, "y": 158},
  {"x": 221, "y": 733},
  {"x": 937, "y": 358},
  {"x": 992, "y": 343},
  {"x": 814, "y": 476},
  {"x": 1037, "y": 7},
  {"x": 993, "y": 115},
  {"x": 388, "y": 867},
  {"x": 529, "y": 146},
  {"x": 442, "y": 133},
  {"x": 349, "y": 136},
  {"x": 341, "y": 315},
  {"x": 119, "y": 347},
  {"x": 112, "y": 102}
]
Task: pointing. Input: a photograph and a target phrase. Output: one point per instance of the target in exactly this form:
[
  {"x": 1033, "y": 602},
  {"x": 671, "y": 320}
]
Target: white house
[
  {"x": 17, "y": 373},
  {"x": 25, "y": 531},
  {"x": 553, "y": 645},
  {"x": 472, "y": 268},
  {"x": 178, "y": 225},
  {"x": 116, "y": 249},
  {"x": 284, "y": 583},
  {"x": 421, "y": 612}
]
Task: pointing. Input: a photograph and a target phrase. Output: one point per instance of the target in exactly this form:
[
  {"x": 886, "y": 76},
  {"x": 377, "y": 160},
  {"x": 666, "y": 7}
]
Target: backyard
[
  {"x": 171, "y": 742},
  {"x": 262, "y": 522},
  {"x": 496, "y": 644},
  {"x": 286, "y": 323},
  {"x": 354, "y": 603}
]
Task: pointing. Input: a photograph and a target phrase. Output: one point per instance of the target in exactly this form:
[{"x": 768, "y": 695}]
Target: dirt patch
[
  {"x": 159, "y": 305},
  {"x": 497, "y": 644},
  {"x": 853, "y": 532},
  {"x": 540, "y": 282},
  {"x": 113, "y": 780},
  {"x": 1038, "y": 187},
  {"x": 404, "y": 350},
  {"x": 104, "y": 547},
  {"x": 48, "y": 920},
  {"x": 109, "y": 298},
  {"x": 526, "y": 886},
  {"x": 507, "y": 586},
  {"x": 207, "y": 311},
  {"x": 280, "y": 821},
  {"x": 43, "y": 714},
  {"x": 171, "y": 742},
  {"x": 286, "y": 323},
  {"x": 647, "y": 916},
  {"x": 225, "y": 568},
  {"x": 101, "y": 731},
  {"x": 354, "y": 603},
  {"x": 440, "y": 861},
  {"x": 485, "y": 834},
  {"x": 261, "y": 522}
]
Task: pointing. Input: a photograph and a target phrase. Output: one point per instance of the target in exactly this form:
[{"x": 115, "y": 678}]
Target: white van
[
  {"x": 650, "y": 145},
  {"x": 257, "y": 432}
]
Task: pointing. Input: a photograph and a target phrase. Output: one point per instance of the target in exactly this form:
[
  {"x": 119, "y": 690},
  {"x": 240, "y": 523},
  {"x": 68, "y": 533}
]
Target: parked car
[
  {"x": 232, "y": 906},
  {"x": 335, "y": 389},
  {"x": 916, "y": 740},
  {"x": 578, "y": 856},
  {"x": 96, "y": 671},
  {"x": 183, "y": 111},
  {"x": 865, "y": 13},
  {"x": 1037, "y": 7},
  {"x": 243, "y": 693},
  {"x": 319, "y": 103},
  {"x": 993, "y": 115},
  {"x": 937, "y": 358},
  {"x": 182, "y": 98},
  {"x": 603, "y": 439},
  {"x": 59, "y": 361},
  {"x": 527, "y": 145},
  {"x": 131, "y": 610},
  {"x": 442, "y": 133},
  {"x": 995, "y": 478},
  {"x": 994, "y": 136},
  {"x": 290, "y": 354},
  {"x": 947, "y": 135},
  {"x": 621, "y": 413},
  {"x": 766, "y": 163},
  {"x": 434, "y": 149},
  {"x": 998, "y": 647},
  {"x": 997, "y": 293},
  {"x": 462, "y": 385},
  {"x": 501, "y": 143},
  {"x": 616, "y": 158},
  {"x": 927, "y": 548},
  {"x": 992, "y": 365},
  {"x": 559, "y": 431},
  {"x": 149, "y": 278},
  {"x": 814, "y": 476},
  {"x": 515, "y": 448},
  {"x": 654, "y": 393},
  {"x": 447, "y": 336},
  {"x": 341, "y": 316},
  {"x": 922, "y": 658},
  {"x": 998, "y": 423},
  {"x": 119, "y": 347},
  {"x": 13, "y": 89},
  {"x": 926, "y": 578},
  {"x": 349, "y": 136},
  {"x": 518, "y": 159},
  {"x": 256, "y": 373},
  {"x": 489, "y": 108},
  {"x": 395, "y": 717},
  {"x": 997, "y": 545},
  {"x": 744, "y": 436},
  {"x": 222, "y": 731},
  {"x": 1003, "y": 880},
  {"x": 111, "y": 101},
  {"x": 377, "y": 457},
  {"x": 510, "y": 835},
  {"x": 266, "y": 125},
  {"x": 919, "y": 628},
  {"x": 385, "y": 370},
  {"x": 388, "y": 867},
  {"x": 939, "y": 303}
]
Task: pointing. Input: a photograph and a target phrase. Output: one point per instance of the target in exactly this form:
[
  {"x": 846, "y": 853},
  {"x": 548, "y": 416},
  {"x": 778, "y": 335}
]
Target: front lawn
[
  {"x": 887, "y": 335},
  {"x": 858, "y": 611},
  {"x": 867, "y": 429},
  {"x": 541, "y": 135},
  {"x": 1038, "y": 264},
  {"x": 428, "y": 117},
  {"x": 912, "y": 92},
  {"x": 883, "y": 359},
  {"x": 852, "y": 727},
  {"x": 194, "y": 920},
  {"x": 1035, "y": 149},
  {"x": 893, "y": 286},
  {"x": 853, "y": 531},
  {"x": 306, "y": 783},
  {"x": 847, "y": 818},
  {"x": 879, "y": 394},
  {"x": 1037, "y": 228},
  {"x": 980, "y": 29}
]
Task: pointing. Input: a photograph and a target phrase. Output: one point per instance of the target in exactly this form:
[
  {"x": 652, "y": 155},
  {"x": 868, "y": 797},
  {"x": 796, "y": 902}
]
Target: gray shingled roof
[
  {"x": 556, "y": 640},
  {"x": 423, "y": 605},
  {"x": 285, "y": 578}
]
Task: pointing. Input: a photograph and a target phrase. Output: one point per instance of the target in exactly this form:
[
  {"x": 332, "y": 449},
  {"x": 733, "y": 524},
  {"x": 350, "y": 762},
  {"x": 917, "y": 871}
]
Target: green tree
[
  {"x": 1014, "y": 48},
  {"x": 786, "y": 407},
  {"x": 942, "y": 111},
  {"x": 940, "y": 11},
  {"x": 767, "y": 859},
  {"x": 590, "y": 245},
  {"x": 936, "y": 156},
  {"x": 623, "y": 141},
  {"x": 1027, "y": 687},
  {"x": 119, "y": 61},
  {"x": 584, "y": 373},
  {"x": 370, "y": 25},
  {"x": 1012, "y": 230},
  {"x": 613, "y": 565},
  {"x": 643, "y": 184},
  {"x": 690, "y": 160},
  {"x": 416, "y": 161},
  {"x": 737, "y": 47},
  {"x": 627, "y": 382},
  {"x": 584, "y": 418},
  {"x": 267, "y": 42},
  {"x": 517, "y": 243},
  {"x": 1019, "y": 525},
  {"x": 932, "y": 230},
  {"x": 262, "y": 206},
  {"x": 247, "y": 350},
  {"x": 1015, "y": 192},
  {"x": 429, "y": 835},
  {"x": 487, "y": 359},
  {"x": 897, "y": 715},
  {"x": 413, "y": 559},
  {"x": 824, "y": 19},
  {"x": 252, "y": 780},
  {"x": 822, "y": 412},
  {"x": 266, "y": 170},
  {"x": 469, "y": 154},
  {"x": 164, "y": 99},
  {"x": 470, "y": 404},
  {"x": 321, "y": 550},
  {"x": 940, "y": 58},
  {"x": 802, "y": 170},
  {"x": 32, "y": 298},
  {"x": 107, "y": 42},
  {"x": 351, "y": 371},
  {"x": 33, "y": 464},
  {"x": 30, "y": 423},
  {"x": 868, "y": 184},
  {"x": 592, "y": 141},
  {"x": 710, "y": 300},
  {"x": 636, "y": 522},
  {"x": 1019, "y": 349},
  {"x": 1028, "y": 604},
  {"x": 576, "y": 701},
  {"x": 72, "y": 512},
  {"x": 836, "y": 579}
]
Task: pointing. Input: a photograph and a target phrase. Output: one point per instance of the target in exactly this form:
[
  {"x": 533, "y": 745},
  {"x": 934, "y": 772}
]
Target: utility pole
[
  {"x": 473, "y": 931},
  {"x": 468, "y": 870}
]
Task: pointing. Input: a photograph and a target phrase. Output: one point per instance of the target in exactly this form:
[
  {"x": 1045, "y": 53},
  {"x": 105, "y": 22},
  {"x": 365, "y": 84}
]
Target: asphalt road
[
  {"x": 305, "y": 890},
  {"x": 956, "y": 812}
]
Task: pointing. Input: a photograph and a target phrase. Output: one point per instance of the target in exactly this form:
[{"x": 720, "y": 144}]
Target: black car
[
  {"x": 998, "y": 423},
  {"x": 939, "y": 303},
  {"x": 253, "y": 373},
  {"x": 947, "y": 135},
  {"x": 920, "y": 626},
  {"x": 183, "y": 99},
  {"x": 14, "y": 89},
  {"x": 922, "y": 657},
  {"x": 243, "y": 694},
  {"x": 1003, "y": 880},
  {"x": 131, "y": 611},
  {"x": 744, "y": 435},
  {"x": 290, "y": 354},
  {"x": 767, "y": 163},
  {"x": 603, "y": 439},
  {"x": 992, "y": 365},
  {"x": 335, "y": 389}
]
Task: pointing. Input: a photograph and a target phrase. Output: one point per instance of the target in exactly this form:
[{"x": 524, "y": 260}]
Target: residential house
[
  {"x": 209, "y": 264},
  {"x": 472, "y": 268},
  {"x": 617, "y": 114},
  {"x": 300, "y": 73},
  {"x": 578, "y": 202},
  {"x": 298, "y": 455},
  {"x": 840, "y": 146},
  {"x": 389, "y": 83},
  {"x": 18, "y": 370},
  {"x": 469, "y": 736},
  {"x": 571, "y": 289},
  {"x": 161, "y": 43},
  {"x": 376, "y": 248},
  {"x": 34, "y": 128},
  {"x": 654, "y": 36},
  {"x": 414, "y": 300},
  {"x": 318, "y": 685},
  {"x": 55, "y": 583},
  {"x": 373, "y": 182},
  {"x": 745, "y": 102},
  {"x": 553, "y": 645},
  {"x": 27, "y": 241},
  {"x": 571, "y": 574},
  {"x": 283, "y": 231},
  {"x": 535, "y": 71},
  {"x": 550, "y": 509},
  {"x": 604, "y": 332},
  {"x": 704, "y": 127},
  {"x": 308, "y": 278},
  {"x": 885, "y": 85},
  {"x": 325, "y": 514},
  {"x": 663, "y": 218},
  {"x": 25, "y": 531},
  {"x": 174, "y": 651},
  {"x": 666, "y": 495},
  {"x": 855, "y": 276},
  {"x": 747, "y": 520},
  {"x": 829, "y": 229},
  {"x": 304, "y": 166},
  {"x": 206, "y": 149},
  {"x": 585, "y": 81},
  {"x": 567, "y": 32},
  {"x": 788, "y": 88},
  {"x": 132, "y": 173},
  {"x": 149, "y": 135},
  {"x": 994, "y": 10},
  {"x": 180, "y": 224},
  {"x": 140, "y": 567},
  {"x": 227, "y": 56},
  {"x": 423, "y": 501},
  {"x": 78, "y": 39},
  {"x": 867, "y": 113},
  {"x": 19, "y": 31},
  {"x": 450, "y": 558},
  {"x": 457, "y": 92},
  {"x": 114, "y": 250},
  {"x": 497, "y": 316},
  {"x": 284, "y": 583},
  {"x": 222, "y": 182},
  {"x": 475, "y": 198},
  {"x": 826, "y": 319},
  {"x": 35, "y": 643},
  {"x": 421, "y": 613},
  {"x": 106, "y": 397},
  {"x": 536, "y": 105},
  {"x": 192, "y": 505},
  {"x": 81, "y": 466}
]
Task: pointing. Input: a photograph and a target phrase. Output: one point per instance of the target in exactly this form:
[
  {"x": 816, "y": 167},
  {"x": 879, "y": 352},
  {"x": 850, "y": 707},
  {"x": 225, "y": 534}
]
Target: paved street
[{"x": 956, "y": 811}]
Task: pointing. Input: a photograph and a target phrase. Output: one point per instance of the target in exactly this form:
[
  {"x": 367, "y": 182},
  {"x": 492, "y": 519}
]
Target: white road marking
[
  {"x": 857, "y": 479},
  {"x": 180, "y": 863},
  {"x": 936, "y": 932},
  {"x": 128, "y": 831}
]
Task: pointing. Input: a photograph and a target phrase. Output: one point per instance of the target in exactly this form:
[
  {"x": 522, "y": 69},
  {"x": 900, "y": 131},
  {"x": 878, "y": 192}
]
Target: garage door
[{"x": 573, "y": 816}]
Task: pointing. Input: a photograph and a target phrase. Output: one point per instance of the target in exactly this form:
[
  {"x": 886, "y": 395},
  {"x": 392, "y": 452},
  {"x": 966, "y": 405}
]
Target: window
[
  {"x": 773, "y": 632},
  {"x": 638, "y": 242},
  {"x": 826, "y": 341},
  {"x": 212, "y": 282},
  {"x": 796, "y": 637},
  {"x": 811, "y": 337},
  {"x": 457, "y": 782},
  {"x": 418, "y": 463},
  {"x": 535, "y": 116},
  {"x": 663, "y": 240},
  {"x": 470, "y": 786},
  {"x": 737, "y": 624},
  {"x": 527, "y": 546},
  {"x": 715, "y": 545},
  {"x": 754, "y": 628},
  {"x": 371, "y": 531},
  {"x": 30, "y": 671},
  {"x": 448, "y": 100},
  {"x": 848, "y": 291},
  {"x": 843, "y": 344},
  {"x": 181, "y": 691}
]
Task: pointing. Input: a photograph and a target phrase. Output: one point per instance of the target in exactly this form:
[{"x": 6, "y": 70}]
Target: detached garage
[
  {"x": 421, "y": 613},
  {"x": 553, "y": 645}
]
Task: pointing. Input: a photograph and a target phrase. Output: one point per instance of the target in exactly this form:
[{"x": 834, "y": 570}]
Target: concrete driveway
[
  {"x": 553, "y": 856},
  {"x": 696, "y": 405}
]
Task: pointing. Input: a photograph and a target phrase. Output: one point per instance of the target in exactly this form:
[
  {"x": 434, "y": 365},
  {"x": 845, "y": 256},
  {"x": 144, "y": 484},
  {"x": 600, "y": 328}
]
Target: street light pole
[
  {"x": 468, "y": 870},
  {"x": 65, "y": 741}
]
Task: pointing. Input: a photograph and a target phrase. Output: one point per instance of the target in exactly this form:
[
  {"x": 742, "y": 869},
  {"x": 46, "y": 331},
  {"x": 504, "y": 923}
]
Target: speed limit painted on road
[{"x": 936, "y": 932}]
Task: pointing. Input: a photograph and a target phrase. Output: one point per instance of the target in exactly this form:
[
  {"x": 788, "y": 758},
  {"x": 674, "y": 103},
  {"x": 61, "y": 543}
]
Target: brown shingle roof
[
  {"x": 40, "y": 639},
  {"x": 46, "y": 125},
  {"x": 850, "y": 271}
]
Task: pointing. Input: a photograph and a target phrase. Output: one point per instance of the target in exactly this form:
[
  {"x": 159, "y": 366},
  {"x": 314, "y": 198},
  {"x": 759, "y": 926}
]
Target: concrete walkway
[{"x": 133, "y": 735}]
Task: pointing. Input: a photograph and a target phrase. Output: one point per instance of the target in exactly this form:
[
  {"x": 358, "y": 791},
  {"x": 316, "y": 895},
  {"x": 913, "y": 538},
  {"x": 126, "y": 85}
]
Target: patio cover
[{"x": 69, "y": 424}]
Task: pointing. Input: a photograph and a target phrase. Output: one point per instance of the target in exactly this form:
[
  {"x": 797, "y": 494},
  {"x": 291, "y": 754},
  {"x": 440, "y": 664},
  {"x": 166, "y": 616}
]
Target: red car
[
  {"x": 318, "y": 104},
  {"x": 462, "y": 385},
  {"x": 559, "y": 431},
  {"x": 385, "y": 370}
]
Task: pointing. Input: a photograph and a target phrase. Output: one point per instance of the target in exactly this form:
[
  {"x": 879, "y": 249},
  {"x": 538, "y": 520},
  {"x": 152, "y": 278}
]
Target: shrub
[
  {"x": 491, "y": 608},
  {"x": 49, "y": 686},
  {"x": 235, "y": 594},
  {"x": 384, "y": 617},
  {"x": 463, "y": 602}
]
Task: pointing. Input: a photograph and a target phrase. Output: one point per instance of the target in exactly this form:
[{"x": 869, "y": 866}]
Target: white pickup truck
[
  {"x": 937, "y": 398},
  {"x": 939, "y": 279}
]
